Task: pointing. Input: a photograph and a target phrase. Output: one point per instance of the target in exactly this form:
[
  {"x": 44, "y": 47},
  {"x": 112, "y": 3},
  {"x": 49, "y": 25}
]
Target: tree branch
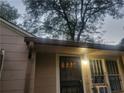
[
  {"x": 83, "y": 14},
  {"x": 67, "y": 20}
]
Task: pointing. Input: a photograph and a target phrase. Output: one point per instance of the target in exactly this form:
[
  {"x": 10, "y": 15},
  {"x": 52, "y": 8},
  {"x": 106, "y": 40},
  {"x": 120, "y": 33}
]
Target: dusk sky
[{"x": 114, "y": 28}]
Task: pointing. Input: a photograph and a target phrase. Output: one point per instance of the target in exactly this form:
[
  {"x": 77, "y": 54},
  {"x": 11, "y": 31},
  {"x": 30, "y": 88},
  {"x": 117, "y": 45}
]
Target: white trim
[
  {"x": 57, "y": 75},
  {"x": 84, "y": 74},
  {"x": 90, "y": 77},
  {"x": 106, "y": 74},
  {"x": 120, "y": 73},
  {"x": 16, "y": 28}
]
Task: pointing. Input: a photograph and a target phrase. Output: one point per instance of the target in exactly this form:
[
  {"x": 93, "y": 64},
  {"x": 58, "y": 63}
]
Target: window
[
  {"x": 100, "y": 89},
  {"x": 100, "y": 78},
  {"x": 97, "y": 74},
  {"x": 70, "y": 75},
  {"x": 113, "y": 75}
]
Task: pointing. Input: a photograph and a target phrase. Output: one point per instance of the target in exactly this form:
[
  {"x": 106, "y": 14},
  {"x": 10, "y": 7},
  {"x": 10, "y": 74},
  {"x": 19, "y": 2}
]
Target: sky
[{"x": 114, "y": 28}]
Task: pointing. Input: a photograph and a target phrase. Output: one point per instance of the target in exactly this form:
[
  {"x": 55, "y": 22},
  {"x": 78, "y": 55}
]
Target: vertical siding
[
  {"x": 45, "y": 73},
  {"x": 16, "y": 59}
]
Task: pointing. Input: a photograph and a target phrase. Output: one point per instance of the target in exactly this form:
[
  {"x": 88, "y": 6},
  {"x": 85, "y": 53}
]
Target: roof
[
  {"x": 16, "y": 28},
  {"x": 30, "y": 37},
  {"x": 54, "y": 42}
]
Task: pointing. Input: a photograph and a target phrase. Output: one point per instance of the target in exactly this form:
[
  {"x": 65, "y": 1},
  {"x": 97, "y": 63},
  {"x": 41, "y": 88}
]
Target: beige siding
[
  {"x": 122, "y": 69},
  {"x": 16, "y": 60},
  {"x": 45, "y": 74},
  {"x": 123, "y": 59}
]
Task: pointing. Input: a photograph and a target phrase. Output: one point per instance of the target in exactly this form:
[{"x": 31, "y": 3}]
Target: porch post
[{"x": 30, "y": 72}]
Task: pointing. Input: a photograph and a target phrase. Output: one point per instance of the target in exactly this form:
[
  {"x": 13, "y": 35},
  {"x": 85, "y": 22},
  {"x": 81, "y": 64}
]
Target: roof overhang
[
  {"x": 15, "y": 28},
  {"x": 70, "y": 47}
]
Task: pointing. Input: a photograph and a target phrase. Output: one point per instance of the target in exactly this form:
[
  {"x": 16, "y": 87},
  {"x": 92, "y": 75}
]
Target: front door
[{"x": 70, "y": 75}]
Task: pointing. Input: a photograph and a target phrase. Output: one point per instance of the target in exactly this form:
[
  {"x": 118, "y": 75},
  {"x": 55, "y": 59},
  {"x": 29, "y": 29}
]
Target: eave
[{"x": 54, "y": 42}]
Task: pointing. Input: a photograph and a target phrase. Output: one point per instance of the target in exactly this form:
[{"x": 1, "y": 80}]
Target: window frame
[{"x": 102, "y": 60}]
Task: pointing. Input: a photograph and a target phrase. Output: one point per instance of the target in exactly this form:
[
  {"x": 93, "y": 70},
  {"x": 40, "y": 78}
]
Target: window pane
[
  {"x": 103, "y": 90},
  {"x": 70, "y": 68},
  {"x": 97, "y": 71},
  {"x": 115, "y": 83},
  {"x": 112, "y": 67},
  {"x": 113, "y": 74},
  {"x": 100, "y": 89}
]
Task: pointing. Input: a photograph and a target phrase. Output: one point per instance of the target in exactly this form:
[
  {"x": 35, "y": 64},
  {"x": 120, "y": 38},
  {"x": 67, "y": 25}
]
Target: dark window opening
[
  {"x": 70, "y": 75},
  {"x": 113, "y": 74}
]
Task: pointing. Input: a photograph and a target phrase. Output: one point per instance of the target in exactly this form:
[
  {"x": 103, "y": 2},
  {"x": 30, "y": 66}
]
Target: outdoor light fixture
[{"x": 85, "y": 60}]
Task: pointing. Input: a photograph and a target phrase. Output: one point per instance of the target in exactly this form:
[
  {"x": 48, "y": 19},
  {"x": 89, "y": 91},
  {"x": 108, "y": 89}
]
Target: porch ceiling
[{"x": 75, "y": 50}]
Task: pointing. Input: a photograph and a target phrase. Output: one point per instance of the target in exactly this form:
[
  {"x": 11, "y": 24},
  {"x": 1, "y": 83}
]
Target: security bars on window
[
  {"x": 113, "y": 75},
  {"x": 97, "y": 72},
  {"x": 70, "y": 75},
  {"x": 98, "y": 76}
]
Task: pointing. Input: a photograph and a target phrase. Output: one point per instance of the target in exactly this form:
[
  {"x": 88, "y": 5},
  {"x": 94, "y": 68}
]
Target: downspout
[{"x": 2, "y": 62}]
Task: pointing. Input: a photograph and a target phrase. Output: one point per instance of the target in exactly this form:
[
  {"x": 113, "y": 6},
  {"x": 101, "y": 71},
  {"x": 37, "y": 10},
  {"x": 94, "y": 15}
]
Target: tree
[
  {"x": 122, "y": 42},
  {"x": 30, "y": 24},
  {"x": 8, "y": 12},
  {"x": 75, "y": 20}
]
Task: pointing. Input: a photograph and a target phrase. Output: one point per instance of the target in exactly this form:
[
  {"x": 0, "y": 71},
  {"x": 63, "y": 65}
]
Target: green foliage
[
  {"x": 122, "y": 42},
  {"x": 73, "y": 19},
  {"x": 8, "y": 12}
]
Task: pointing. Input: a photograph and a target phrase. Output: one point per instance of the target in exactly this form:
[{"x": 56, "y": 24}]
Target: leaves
[
  {"x": 8, "y": 12},
  {"x": 74, "y": 19}
]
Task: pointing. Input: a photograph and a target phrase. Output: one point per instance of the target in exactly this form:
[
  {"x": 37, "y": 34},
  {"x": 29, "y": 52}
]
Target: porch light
[{"x": 85, "y": 61}]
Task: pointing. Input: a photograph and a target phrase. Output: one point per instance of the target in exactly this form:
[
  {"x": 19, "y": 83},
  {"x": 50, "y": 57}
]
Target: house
[{"x": 35, "y": 65}]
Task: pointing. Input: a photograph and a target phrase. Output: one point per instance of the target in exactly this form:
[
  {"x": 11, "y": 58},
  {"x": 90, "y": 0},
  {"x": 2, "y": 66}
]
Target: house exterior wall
[
  {"x": 21, "y": 75},
  {"x": 122, "y": 68},
  {"x": 45, "y": 73},
  {"x": 47, "y": 78},
  {"x": 120, "y": 61},
  {"x": 15, "y": 63}
]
